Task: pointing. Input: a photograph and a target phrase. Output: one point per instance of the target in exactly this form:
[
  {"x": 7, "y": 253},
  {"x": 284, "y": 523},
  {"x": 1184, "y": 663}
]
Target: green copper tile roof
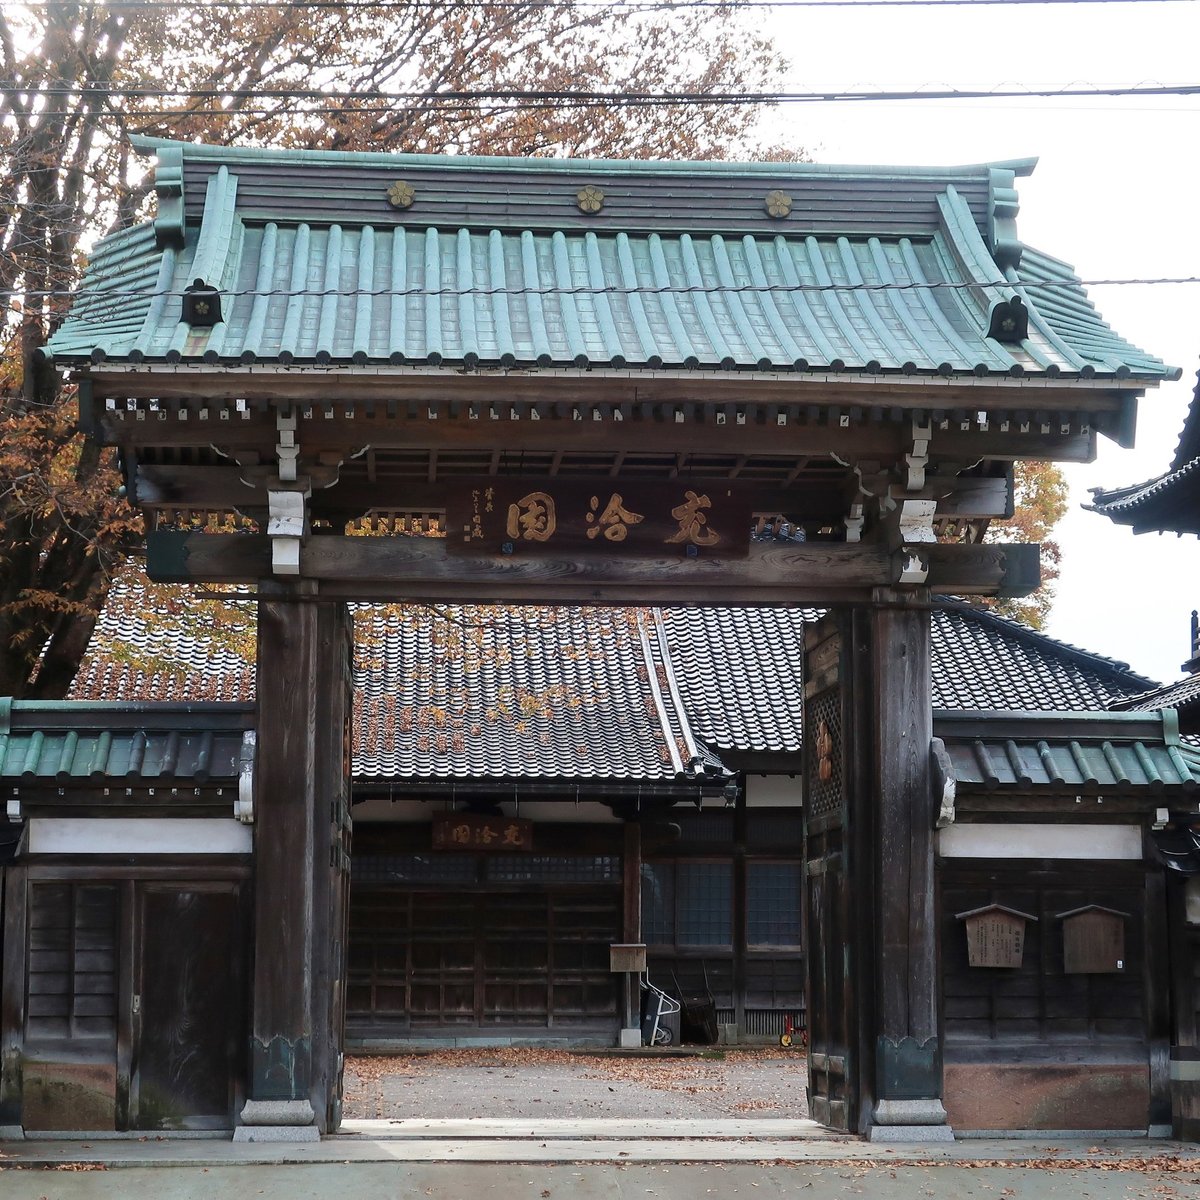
[
  {"x": 1084, "y": 752},
  {"x": 872, "y": 270},
  {"x": 58, "y": 742}
]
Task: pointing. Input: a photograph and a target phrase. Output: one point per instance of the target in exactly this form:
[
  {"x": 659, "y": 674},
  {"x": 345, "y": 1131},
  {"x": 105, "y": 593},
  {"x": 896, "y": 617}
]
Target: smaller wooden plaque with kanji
[
  {"x": 472, "y": 831},
  {"x": 995, "y": 935}
]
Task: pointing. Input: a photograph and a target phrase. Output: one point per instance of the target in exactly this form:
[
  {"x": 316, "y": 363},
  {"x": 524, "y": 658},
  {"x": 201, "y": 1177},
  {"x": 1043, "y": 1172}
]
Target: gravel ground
[{"x": 526, "y": 1082}]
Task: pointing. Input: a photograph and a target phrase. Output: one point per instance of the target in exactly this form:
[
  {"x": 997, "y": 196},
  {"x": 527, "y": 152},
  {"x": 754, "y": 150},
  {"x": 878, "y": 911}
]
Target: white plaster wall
[
  {"x": 1029, "y": 840},
  {"x": 773, "y": 791}
]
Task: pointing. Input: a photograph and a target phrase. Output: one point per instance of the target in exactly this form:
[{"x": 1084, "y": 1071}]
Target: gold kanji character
[
  {"x": 461, "y": 834},
  {"x": 487, "y": 835},
  {"x": 614, "y": 521},
  {"x": 532, "y": 517},
  {"x": 692, "y": 522},
  {"x": 512, "y": 835}
]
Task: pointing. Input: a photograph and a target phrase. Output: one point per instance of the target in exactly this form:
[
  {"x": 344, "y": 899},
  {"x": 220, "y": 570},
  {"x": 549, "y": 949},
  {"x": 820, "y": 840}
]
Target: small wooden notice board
[
  {"x": 995, "y": 935},
  {"x": 1093, "y": 940}
]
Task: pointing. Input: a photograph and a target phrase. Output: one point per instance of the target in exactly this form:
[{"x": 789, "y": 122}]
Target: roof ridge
[
  {"x": 628, "y": 166},
  {"x": 702, "y": 757},
  {"x": 647, "y": 646},
  {"x": 1036, "y": 637},
  {"x": 1129, "y": 703}
]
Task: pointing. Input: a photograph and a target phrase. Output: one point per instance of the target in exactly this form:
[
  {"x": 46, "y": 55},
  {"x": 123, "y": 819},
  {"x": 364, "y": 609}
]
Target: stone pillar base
[
  {"x": 11, "y": 1133},
  {"x": 277, "y": 1121},
  {"x": 910, "y": 1121},
  {"x": 630, "y": 1039}
]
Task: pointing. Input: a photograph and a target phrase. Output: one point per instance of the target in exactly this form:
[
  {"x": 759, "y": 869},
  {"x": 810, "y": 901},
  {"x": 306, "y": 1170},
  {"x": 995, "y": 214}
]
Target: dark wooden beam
[
  {"x": 343, "y": 384},
  {"x": 879, "y": 441},
  {"x": 217, "y": 488},
  {"x": 220, "y": 488},
  {"x": 419, "y": 568}
]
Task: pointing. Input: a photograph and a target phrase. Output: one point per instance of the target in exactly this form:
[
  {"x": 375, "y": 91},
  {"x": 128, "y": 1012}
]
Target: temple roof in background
[
  {"x": 1169, "y": 503},
  {"x": 555, "y": 692}
]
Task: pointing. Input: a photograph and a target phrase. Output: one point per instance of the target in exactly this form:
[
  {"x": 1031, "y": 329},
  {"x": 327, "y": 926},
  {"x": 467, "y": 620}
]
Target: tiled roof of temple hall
[
  {"x": 400, "y": 261},
  {"x": 593, "y": 692}
]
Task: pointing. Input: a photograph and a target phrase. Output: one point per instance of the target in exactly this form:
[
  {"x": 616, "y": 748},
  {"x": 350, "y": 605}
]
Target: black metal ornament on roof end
[
  {"x": 201, "y": 305},
  {"x": 1178, "y": 849},
  {"x": 1010, "y": 321}
]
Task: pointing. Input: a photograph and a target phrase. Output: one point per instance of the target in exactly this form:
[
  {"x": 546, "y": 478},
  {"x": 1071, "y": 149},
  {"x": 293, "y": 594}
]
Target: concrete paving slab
[
  {"x": 624, "y": 1181},
  {"x": 166, "y": 1152}
]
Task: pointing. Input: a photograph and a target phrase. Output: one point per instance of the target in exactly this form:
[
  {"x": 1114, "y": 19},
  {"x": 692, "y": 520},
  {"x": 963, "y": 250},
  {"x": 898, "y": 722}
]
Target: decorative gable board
[
  {"x": 1093, "y": 940},
  {"x": 995, "y": 935}
]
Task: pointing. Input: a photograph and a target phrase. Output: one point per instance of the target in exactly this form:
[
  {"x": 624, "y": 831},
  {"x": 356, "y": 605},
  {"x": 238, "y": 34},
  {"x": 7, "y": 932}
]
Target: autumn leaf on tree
[
  {"x": 1040, "y": 502},
  {"x": 198, "y": 72}
]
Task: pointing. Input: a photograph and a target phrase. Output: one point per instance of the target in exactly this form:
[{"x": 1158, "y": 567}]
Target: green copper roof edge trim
[
  {"x": 1003, "y": 206},
  {"x": 19, "y": 711},
  {"x": 567, "y": 166},
  {"x": 168, "y": 183},
  {"x": 1051, "y": 719},
  {"x": 211, "y": 261}
]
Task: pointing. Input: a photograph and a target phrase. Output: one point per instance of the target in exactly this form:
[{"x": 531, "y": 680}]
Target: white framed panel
[
  {"x": 139, "y": 835},
  {"x": 1029, "y": 840}
]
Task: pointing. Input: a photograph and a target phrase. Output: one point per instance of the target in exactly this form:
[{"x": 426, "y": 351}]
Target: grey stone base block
[
  {"x": 278, "y": 1112},
  {"x": 276, "y": 1133},
  {"x": 11, "y": 1133},
  {"x": 630, "y": 1039},
  {"x": 910, "y": 1121},
  {"x": 910, "y": 1133},
  {"x": 929, "y": 1111},
  {"x": 277, "y": 1121},
  {"x": 1052, "y": 1135}
]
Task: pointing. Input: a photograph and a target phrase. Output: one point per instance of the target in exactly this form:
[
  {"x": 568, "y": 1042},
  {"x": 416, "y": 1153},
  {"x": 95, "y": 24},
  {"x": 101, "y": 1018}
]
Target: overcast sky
[{"x": 1116, "y": 193}]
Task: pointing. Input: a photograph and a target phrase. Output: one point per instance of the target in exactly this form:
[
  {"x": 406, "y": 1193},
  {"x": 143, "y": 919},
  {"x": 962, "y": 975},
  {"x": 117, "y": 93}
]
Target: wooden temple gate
[{"x": 814, "y": 399}]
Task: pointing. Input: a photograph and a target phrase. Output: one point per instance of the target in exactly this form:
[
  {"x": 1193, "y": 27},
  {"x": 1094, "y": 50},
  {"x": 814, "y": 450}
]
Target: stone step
[{"x": 592, "y": 1129}]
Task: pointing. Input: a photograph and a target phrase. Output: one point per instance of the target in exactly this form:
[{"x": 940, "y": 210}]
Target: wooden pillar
[
  {"x": 631, "y": 928},
  {"x": 298, "y": 781},
  {"x": 897, "y": 703},
  {"x": 331, "y": 856},
  {"x": 1182, "y": 895},
  {"x": 12, "y": 996}
]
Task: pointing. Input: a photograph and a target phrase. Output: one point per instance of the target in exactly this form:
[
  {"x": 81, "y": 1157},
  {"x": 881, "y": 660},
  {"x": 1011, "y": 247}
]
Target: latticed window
[
  {"x": 72, "y": 961},
  {"x": 773, "y": 903},
  {"x": 687, "y": 903}
]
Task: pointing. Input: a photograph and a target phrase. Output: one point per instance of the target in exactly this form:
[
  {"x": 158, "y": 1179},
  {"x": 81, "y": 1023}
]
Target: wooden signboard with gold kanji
[
  {"x": 995, "y": 936},
  {"x": 512, "y": 515},
  {"x": 472, "y": 831}
]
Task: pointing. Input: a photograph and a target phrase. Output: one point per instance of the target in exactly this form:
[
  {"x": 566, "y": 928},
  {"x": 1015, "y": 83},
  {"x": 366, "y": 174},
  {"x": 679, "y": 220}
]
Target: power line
[
  {"x": 99, "y": 295},
  {"x": 572, "y": 94},
  {"x": 619, "y": 5},
  {"x": 512, "y": 100}
]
